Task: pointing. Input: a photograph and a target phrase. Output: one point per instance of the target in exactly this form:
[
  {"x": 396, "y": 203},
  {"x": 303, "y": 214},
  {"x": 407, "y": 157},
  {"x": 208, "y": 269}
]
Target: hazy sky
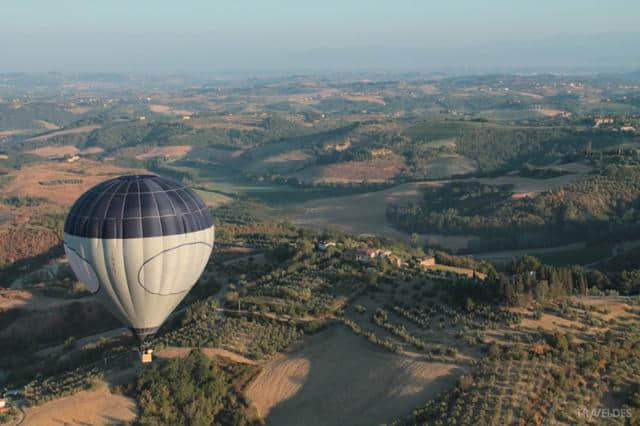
[{"x": 220, "y": 34}]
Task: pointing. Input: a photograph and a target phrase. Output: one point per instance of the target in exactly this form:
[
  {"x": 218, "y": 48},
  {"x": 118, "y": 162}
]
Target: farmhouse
[
  {"x": 602, "y": 120},
  {"x": 365, "y": 255},
  {"x": 392, "y": 258},
  {"x": 428, "y": 261}
]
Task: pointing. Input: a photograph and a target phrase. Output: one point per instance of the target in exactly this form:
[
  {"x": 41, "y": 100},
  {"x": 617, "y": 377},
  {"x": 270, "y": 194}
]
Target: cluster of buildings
[
  {"x": 600, "y": 122},
  {"x": 366, "y": 255}
]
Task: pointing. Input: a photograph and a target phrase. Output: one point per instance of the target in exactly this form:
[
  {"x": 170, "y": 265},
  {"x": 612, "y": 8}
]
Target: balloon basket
[{"x": 146, "y": 356}]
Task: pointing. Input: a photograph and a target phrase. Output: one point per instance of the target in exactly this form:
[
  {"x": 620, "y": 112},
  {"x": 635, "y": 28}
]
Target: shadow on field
[{"x": 338, "y": 378}]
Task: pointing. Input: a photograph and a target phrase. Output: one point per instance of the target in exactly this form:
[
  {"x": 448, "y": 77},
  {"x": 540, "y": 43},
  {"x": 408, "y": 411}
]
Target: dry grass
[
  {"x": 373, "y": 99},
  {"x": 32, "y": 300},
  {"x": 449, "y": 165},
  {"x": 27, "y": 179},
  {"x": 520, "y": 195},
  {"x": 226, "y": 123},
  {"x": 13, "y": 132},
  {"x": 550, "y": 112},
  {"x": 177, "y": 151},
  {"x": 75, "y": 130},
  {"x": 285, "y": 157},
  {"x": 68, "y": 150},
  {"x": 531, "y": 95},
  {"x": 378, "y": 170},
  {"x": 180, "y": 352},
  {"x": 47, "y": 151},
  {"x": 91, "y": 150},
  {"x": 339, "y": 378},
  {"x": 92, "y": 407},
  {"x": 428, "y": 89},
  {"x": 167, "y": 110},
  {"x": 616, "y": 307},
  {"x": 160, "y": 109},
  {"x": 365, "y": 214},
  {"x": 47, "y": 125},
  {"x": 79, "y": 110}
]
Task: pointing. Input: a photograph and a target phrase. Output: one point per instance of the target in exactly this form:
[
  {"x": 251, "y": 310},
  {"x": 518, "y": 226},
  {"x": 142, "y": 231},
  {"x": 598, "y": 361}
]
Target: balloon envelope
[{"x": 140, "y": 242}]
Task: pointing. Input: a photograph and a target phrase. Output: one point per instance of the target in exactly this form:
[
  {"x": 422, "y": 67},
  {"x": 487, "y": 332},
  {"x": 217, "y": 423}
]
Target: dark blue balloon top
[{"x": 137, "y": 206}]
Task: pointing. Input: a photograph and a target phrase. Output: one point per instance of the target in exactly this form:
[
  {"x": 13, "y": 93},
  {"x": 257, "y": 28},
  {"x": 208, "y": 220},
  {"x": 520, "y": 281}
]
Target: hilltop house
[
  {"x": 365, "y": 255},
  {"x": 602, "y": 120},
  {"x": 427, "y": 261}
]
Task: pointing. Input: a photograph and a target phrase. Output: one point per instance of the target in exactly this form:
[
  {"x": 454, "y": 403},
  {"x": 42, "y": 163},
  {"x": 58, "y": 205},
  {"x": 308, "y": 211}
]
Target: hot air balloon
[{"x": 140, "y": 243}]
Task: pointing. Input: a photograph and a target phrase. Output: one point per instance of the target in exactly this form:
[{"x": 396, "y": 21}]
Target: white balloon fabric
[{"x": 140, "y": 243}]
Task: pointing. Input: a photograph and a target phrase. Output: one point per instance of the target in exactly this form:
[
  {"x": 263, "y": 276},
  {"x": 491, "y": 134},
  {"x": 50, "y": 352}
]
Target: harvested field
[
  {"x": 226, "y": 125},
  {"x": 520, "y": 195},
  {"x": 160, "y": 109},
  {"x": 177, "y": 151},
  {"x": 92, "y": 407},
  {"x": 379, "y": 170},
  {"x": 550, "y": 112},
  {"x": 179, "y": 352},
  {"x": 79, "y": 110},
  {"x": 32, "y": 300},
  {"x": 549, "y": 323},
  {"x": 213, "y": 199},
  {"x": 167, "y": 110},
  {"x": 28, "y": 179},
  {"x": 73, "y": 131},
  {"x": 47, "y": 125},
  {"x": 365, "y": 214},
  {"x": 531, "y": 95},
  {"x": 339, "y": 378},
  {"x": 91, "y": 150},
  {"x": 48, "y": 151},
  {"x": 13, "y": 132},
  {"x": 295, "y": 155},
  {"x": 441, "y": 143},
  {"x": 449, "y": 165},
  {"x": 373, "y": 99}
]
